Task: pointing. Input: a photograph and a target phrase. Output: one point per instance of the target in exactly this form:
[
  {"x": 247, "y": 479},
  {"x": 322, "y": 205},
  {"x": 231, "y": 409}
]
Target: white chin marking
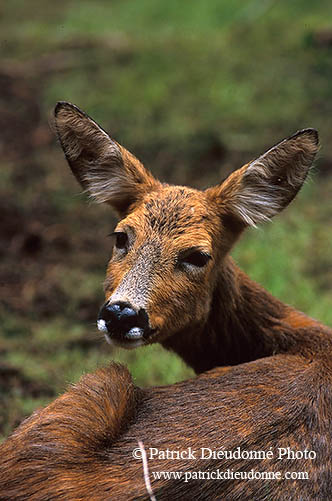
[
  {"x": 128, "y": 345},
  {"x": 101, "y": 324},
  {"x": 135, "y": 333}
]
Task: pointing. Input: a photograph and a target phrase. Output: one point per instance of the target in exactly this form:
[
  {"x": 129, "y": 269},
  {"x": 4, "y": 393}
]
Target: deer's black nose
[
  {"x": 122, "y": 320},
  {"x": 119, "y": 311}
]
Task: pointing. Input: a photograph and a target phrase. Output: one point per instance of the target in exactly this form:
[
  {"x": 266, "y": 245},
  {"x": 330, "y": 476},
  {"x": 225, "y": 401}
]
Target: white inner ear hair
[
  {"x": 261, "y": 196},
  {"x": 108, "y": 182}
]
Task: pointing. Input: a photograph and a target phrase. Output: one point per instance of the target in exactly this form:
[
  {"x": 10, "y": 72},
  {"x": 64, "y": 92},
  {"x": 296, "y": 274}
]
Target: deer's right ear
[
  {"x": 264, "y": 187},
  {"x": 106, "y": 170}
]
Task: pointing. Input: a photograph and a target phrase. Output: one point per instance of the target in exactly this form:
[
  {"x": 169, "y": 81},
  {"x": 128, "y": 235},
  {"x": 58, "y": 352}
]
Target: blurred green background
[{"x": 194, "y": 89}]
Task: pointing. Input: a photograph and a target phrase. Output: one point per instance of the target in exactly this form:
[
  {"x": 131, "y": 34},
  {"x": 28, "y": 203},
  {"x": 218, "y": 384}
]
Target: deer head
[{"x": 171, "y": 242}]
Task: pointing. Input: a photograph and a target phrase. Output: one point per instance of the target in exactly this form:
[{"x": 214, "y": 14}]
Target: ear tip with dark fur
[
  {"x": 64, "y": 106},
  {"x": 309, "y": 132},
  {"x": 60, "y": 106}
]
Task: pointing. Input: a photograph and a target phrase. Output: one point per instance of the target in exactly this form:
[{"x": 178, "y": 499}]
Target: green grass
[{"x": 256, "y": 76}]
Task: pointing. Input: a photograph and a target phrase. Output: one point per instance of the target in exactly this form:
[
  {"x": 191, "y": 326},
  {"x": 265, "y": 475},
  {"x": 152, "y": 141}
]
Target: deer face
[
  {"x": 161, "y": 275},
  {"x": 170, "y": 242}
]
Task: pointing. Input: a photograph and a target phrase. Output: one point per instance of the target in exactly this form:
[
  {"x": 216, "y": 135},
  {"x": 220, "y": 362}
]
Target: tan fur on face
[{"x": 165, "y": 223}]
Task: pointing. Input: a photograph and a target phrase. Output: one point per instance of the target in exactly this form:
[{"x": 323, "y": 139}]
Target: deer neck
[{"x": 245, "y": 323}]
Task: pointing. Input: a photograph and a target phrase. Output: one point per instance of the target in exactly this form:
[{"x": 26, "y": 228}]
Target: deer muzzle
[{"x": 123, "y": 324}]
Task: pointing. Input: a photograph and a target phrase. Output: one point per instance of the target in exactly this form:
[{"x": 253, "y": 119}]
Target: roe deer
[{"x": 170, "y": 280}]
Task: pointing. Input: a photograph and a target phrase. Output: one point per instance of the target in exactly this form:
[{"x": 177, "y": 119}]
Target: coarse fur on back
[{"x": 81, "y": 446}]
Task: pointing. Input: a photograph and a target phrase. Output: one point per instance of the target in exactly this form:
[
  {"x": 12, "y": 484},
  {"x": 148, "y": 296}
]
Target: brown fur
[
  {"x": 80, "y": 446},
  {"x": 276, "y": 390}
]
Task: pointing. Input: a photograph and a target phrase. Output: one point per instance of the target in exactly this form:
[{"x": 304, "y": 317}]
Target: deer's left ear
[
  {"x": 264, "y": 187},
  {"x": 105, "y": 169}
]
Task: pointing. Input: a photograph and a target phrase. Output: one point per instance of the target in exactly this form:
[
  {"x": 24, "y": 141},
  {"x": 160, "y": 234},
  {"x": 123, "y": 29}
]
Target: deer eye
[
  {"x": 121, "y": 239},
  {"x": 195, "y": 258}
]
